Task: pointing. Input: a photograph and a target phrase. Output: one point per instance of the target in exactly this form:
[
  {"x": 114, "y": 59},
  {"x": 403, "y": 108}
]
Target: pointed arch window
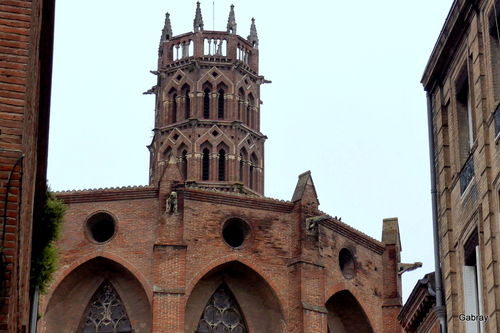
[
  {"x": 222, "y": 165},
  {"x": 249, "y": 113},
  {"x": 222, "y": 314},
  {"x": 252, "y": 170},
  {"x": 205, "y": 171},
  {"x": 243, "y": 165},
  {"x": 221, "y": 105},
  {"x": 187, "y": 105},
  {"x": 241, "y": 169},
  {"x": 251, "y": 103},
  {"x": 106, "y": 313},
  {"x": 174, "y": 109},
  {"x": 252, "y": 183},
  {"x": 241, "y": 102},
  {"x": 184, "y": 164},
  {"x": 206, "y": 104}
]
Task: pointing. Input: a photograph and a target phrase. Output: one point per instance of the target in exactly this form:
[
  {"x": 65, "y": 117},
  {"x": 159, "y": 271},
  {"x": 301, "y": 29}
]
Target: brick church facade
[{"x": 201, "y": 249}]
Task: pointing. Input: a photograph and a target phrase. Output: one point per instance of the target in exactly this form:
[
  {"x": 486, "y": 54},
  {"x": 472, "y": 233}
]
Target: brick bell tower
[{"x": 208, "y": 108}]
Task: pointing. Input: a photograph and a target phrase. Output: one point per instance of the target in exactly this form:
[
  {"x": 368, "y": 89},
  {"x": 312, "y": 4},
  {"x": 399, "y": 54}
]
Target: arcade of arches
[{"x": 101, "y": 296}]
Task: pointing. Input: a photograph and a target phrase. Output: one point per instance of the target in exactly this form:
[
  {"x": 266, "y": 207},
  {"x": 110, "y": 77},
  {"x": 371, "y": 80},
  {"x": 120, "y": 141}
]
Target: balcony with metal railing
[
  {"x": 496, "y": 116},
  {"x": 466, "y": 174}
]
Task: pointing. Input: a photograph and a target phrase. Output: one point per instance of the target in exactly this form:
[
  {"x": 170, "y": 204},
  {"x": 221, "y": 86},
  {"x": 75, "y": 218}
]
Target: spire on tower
[
  {"x": 231, "y": 21},
  {"x": 166, "y": 33},
  {"x": 198, "y": 19},
  {"x": 253, "y": 38}
]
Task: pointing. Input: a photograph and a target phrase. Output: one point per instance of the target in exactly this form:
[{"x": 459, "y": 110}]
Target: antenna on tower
[{"x": 213, "y": 15}]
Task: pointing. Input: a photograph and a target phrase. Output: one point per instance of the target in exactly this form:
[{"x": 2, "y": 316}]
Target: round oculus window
[
  {"x": 235, "y": 232},
  {"x": 347, "y": 263},
  {"x": 101, "y": 227}
]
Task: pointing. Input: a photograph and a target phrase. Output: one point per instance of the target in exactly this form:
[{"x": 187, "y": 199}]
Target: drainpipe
[
  {"x": 34, "y": 311},
  {"x": 440, "y": 308}
]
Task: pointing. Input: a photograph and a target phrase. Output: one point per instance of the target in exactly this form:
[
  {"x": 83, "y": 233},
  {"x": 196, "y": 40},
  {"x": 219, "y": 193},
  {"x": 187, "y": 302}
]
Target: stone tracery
[
  {"x": 106, "y": 313},
  {"x": 221, "y": 314}
]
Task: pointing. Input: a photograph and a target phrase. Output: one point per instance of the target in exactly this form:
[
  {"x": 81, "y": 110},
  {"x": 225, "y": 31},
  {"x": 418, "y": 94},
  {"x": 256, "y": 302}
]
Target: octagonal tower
[{"x": 208, "y": 108}]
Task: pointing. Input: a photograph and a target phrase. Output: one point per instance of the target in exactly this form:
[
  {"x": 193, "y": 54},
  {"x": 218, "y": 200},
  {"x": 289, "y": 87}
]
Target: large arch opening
[
  {"x": 345, "y": 314},
  {"x": 69, "y": 303},
  {"x": 258, "y": 305}
]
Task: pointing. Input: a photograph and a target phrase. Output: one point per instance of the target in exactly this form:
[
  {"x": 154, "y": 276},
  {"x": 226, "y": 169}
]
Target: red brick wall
[
  {"x": 15, "y": 17},
  {"x": 281, "y": 277},
  {"x": 26, "y": 32},
  {"x": 125, "y": 260}
]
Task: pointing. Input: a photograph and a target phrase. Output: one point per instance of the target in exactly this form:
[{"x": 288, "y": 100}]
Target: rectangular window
[
  {"x": 471, "y": 297},
  {"x": 465, "y": 130},
  {"x": 494, "y": 41},
  {"x": 464, "y": 115},
  {"x": 473, "y": 284}
]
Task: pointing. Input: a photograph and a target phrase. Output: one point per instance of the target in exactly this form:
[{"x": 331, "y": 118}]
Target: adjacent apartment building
[{"x": 462, "y": 82}]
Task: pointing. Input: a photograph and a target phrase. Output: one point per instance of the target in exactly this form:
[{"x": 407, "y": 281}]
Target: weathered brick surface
[
  {"x": 26, "y": 30},
  {"x": 170, "y": 244},
  {"x": 277, "y": 287}
]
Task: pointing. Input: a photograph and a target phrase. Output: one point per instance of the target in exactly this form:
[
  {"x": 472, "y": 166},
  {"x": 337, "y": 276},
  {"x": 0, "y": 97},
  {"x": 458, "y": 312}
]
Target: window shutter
[
  {"x": 479, "y": 288},
  {"x": 470, "y": 295}
]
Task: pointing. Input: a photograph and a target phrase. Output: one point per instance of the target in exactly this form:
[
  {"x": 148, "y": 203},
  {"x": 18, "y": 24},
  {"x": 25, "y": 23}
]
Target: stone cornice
[
  {"x": 191, "y": 122},
  {"x": 449, "y": 39}
]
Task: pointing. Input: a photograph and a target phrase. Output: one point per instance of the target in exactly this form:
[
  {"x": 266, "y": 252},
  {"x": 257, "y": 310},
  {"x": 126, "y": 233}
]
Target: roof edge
[{"x": 450, "y": 32}]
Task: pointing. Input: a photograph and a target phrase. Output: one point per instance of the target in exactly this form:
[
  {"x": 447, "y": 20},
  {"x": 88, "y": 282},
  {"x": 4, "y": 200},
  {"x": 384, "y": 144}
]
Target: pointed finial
[
  {"x": 231, "y": 22},
  {"x": 198, "y": 19},
  {"x": 253, "y": 38},
  {"x": 166, "y": 33}
]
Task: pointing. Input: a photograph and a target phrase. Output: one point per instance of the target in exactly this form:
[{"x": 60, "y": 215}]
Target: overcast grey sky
[{"x": 345, "y": 101}]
